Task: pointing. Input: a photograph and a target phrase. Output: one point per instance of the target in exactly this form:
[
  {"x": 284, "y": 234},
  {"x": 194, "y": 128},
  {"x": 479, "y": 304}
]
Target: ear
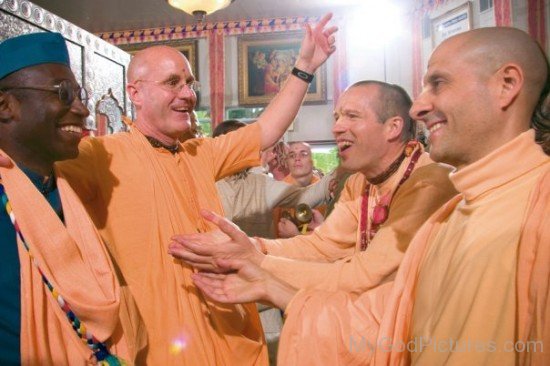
[
  {"x": 133, "y": 93},
  {"x": 510, "y": 81},
  {"x": 8, "y": 107},
  {"x": 393, "y": 127}
]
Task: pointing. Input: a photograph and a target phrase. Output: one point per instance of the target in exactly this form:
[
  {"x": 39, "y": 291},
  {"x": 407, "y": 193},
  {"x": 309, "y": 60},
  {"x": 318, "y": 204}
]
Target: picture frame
[
  {"x": 187, "y": 47},
  {"x": 265, "y": 62},
  {"x": 453, "y": 22}
]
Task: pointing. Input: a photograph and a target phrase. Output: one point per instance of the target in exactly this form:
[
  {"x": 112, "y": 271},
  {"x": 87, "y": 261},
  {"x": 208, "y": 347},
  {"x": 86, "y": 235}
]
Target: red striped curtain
[
  {"x": 417, "y": 53},
  {"x": 537, "y": 21},
  {"x": 217, "y": 76},
  {"x": 503, "y": 13},
  {"x": 340, "y": 68}
]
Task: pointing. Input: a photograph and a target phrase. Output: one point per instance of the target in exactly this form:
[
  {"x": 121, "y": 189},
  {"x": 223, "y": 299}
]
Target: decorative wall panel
[{"x": 97, "y": 65}]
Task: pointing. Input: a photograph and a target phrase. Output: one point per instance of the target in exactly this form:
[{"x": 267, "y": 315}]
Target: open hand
[
  {"x": 202, "y": 249},
  {"x": 246, "y": 282},
  {"x": 317, "y": 45}
]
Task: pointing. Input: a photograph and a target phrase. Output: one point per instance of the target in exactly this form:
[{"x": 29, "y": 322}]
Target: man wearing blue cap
[{"x": 60, "y": 297}]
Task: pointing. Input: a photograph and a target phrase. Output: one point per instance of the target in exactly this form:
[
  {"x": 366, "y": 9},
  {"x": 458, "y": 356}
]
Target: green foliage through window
[{"x": 325, "y": 159}]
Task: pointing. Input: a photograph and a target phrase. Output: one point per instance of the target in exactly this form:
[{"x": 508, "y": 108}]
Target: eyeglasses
[
  {"x": 301, "y": 154},
  {"x": 66, "y": 90},
  {"x": 173, "y": 85}
]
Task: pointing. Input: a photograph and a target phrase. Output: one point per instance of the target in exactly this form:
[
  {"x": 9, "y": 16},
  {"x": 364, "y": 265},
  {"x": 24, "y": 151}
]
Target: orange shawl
[
  {"x": 533, "y": 289},
  {"x": 76, "y": 263}
]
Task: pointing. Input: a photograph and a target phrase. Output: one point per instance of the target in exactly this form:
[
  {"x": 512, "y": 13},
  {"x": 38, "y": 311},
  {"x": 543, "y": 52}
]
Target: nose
[
  {"x": 79, "y": 108},
  {"x": 186, "y": 91},
  {"x": 188, "y": 94},
  {"x": 339, "y": 127},
  {"x": 421, "y": 107}
]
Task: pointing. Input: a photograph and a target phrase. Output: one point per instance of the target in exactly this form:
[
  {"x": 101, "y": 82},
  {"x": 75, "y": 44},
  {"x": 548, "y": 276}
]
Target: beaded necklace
[
  {"x": 381, "y": 211},
  {"x": 99, "y": 349},
  {"x": 156, "y": 143}
]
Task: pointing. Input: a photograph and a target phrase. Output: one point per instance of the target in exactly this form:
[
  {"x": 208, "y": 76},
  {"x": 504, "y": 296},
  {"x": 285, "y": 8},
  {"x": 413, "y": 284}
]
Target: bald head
[
  {"x": 488, "y": 49},
  {"x": 147, "y": 61},
  {"x": 481, "y": 90},
  {"x": 161, "y": 87}
]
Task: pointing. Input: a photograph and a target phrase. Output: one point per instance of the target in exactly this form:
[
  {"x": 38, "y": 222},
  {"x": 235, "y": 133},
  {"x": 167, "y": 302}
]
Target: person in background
[
  {"x": 248, "y": 198},
  {"x": 300, "y": 164},
  {"x": 274, "y": 160},
  {"x": 301, "y": 174}
]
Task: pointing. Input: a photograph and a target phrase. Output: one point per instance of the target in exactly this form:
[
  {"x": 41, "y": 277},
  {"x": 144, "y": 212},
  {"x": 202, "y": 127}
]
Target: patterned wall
[{"x": 98, "y": 65}]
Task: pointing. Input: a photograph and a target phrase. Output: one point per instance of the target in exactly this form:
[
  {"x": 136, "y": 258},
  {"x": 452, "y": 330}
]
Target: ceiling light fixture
[{"x": 199, "y": 8}]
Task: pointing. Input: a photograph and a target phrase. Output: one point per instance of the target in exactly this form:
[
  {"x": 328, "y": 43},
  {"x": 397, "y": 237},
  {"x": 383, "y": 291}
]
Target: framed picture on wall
[
  {"x": 185, "y": 46},
  {"x": 452, "y": 22},
  {"x": 266, "y": 61}
]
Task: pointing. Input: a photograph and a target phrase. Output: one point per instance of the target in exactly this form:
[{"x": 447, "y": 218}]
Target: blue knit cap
[{"x": 32, "y": 49}]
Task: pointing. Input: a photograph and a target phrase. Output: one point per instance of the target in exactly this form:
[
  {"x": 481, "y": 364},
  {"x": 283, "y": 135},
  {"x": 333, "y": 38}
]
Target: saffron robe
[
  {"x": 330, "y": 320},
  {"x": 139, "y": 196},
  {"x": 474, "y": 283},
  {"x": 331, "y": 257},
  {"x": 74, "y": 260}
]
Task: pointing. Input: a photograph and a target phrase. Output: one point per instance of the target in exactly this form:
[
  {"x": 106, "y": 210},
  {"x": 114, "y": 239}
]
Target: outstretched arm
[
  {"x": 317, "y": 46},
  {"x": 246, "y": 283}
]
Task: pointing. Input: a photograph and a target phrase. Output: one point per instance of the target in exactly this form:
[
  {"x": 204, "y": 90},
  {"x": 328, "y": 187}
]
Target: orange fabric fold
[
  {"x": 75, "y": 262},
  {"x": 138, "y": 197},
  {"x": 530, "y": 317},
  {"x": 394, "y": 329},
  {"x": 331, "y": 328},
  {"x": 533, "y": 276}
]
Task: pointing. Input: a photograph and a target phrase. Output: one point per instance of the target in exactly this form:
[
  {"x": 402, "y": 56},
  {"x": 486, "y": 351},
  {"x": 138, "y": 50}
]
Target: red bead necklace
[{"x": 381, "y": 210}]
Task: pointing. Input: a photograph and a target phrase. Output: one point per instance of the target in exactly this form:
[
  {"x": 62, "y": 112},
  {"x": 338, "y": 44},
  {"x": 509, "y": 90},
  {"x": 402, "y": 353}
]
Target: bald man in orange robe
[{"x": 144, "y": 186}]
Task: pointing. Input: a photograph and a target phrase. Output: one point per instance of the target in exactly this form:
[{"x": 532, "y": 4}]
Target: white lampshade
[{"x": 199, "y": 6}]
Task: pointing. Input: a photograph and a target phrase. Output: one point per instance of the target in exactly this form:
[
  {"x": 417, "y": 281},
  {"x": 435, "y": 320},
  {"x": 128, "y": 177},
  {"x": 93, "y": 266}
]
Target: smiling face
[
  {"x": 163, "y": 109},
  {"x": 359, "y": 134},
  {"x": 458, "y": 105},
  {"x": 44, "y": 129}
]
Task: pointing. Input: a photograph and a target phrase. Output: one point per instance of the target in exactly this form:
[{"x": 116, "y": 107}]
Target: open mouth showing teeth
[
  {"x": 73, "y": 129},
  {"x": 435, "y": 127},
  {"x": 344, "y": 145}
]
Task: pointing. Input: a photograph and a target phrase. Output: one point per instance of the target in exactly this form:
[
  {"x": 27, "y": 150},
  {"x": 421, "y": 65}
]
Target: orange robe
[
  {"x": 474, "y": 284},
  {"x": 317, "y": 256},
  {"x": 76, "y": 263},
  {"x": 139, "y": 196},
  {"x": 330, "y": 321}
]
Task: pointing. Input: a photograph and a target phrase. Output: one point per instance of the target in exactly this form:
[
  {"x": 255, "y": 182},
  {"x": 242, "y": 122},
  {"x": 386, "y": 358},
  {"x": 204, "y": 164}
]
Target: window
[
  {"x": 204, "y": 119},
  {"x": 485, "y": 5},
  {"x": 325, "y": 156}
]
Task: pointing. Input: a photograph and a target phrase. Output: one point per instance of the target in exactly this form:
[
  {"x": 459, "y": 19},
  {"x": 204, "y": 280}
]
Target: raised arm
[{"x": 317, "y": 46}]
